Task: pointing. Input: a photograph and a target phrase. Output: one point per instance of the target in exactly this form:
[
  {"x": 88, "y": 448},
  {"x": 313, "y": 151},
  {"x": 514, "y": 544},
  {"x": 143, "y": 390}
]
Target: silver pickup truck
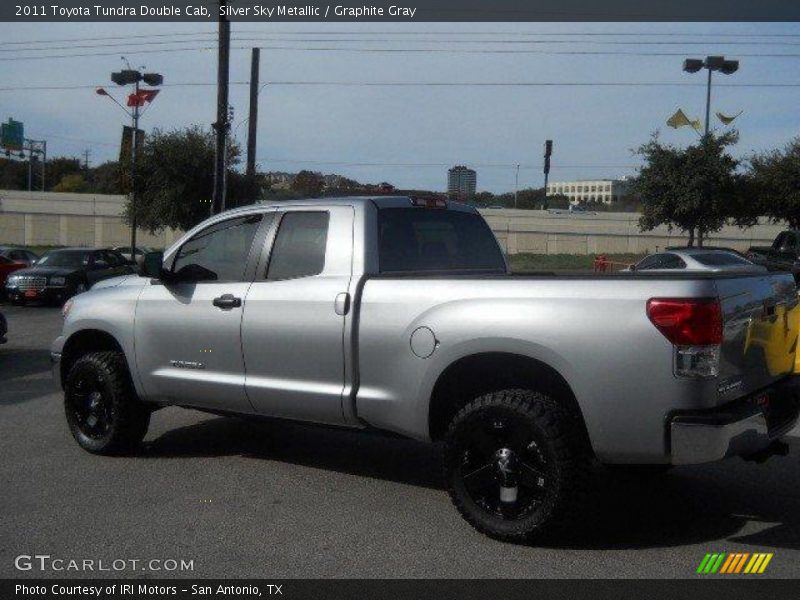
[{"x": 399, "y": 314}]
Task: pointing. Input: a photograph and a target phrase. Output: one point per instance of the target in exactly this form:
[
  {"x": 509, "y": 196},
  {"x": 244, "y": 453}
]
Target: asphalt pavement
[{"x": 267, "y": 499}]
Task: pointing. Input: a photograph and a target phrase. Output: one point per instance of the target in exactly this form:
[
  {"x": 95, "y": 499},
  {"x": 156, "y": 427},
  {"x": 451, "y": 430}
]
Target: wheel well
[
  {"x": 479, "y": 374},
  {"x": 83, "y": 342}
]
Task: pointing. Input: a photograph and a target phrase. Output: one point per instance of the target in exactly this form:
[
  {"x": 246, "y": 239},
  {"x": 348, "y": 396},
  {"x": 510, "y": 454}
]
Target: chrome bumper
[{"x": 738, "y": 430}]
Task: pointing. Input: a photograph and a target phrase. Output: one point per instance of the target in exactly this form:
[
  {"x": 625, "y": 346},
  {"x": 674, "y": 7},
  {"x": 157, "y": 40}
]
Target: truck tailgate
[{"x": 761, "y": 319}]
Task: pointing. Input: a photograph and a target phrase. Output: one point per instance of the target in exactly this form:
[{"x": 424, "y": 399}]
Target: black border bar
[
  {"x": 425, "y": 10},
  {"x": 730, "y": 588}
]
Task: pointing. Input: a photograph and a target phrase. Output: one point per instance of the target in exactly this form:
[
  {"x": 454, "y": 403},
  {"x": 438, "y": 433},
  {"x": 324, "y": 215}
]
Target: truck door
[
  {"x": 294, "y": 317},
  {"x": 187, "y": 333}
]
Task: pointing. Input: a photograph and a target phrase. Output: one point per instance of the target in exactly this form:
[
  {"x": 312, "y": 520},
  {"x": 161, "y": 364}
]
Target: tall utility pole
[
  {"x": 548, "y": 151},
  {"x": 222, "y": 125},
  {"x": 516, "y": 186},
  {"x": 252, "y": 129}
]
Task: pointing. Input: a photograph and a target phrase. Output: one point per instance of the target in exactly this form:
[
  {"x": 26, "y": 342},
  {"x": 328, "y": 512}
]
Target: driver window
[{"x": 221, "y": 249}]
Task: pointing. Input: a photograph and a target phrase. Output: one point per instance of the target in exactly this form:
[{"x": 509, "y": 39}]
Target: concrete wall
[
  {"x": 54, "y": 219},
  {"x": 560, "y": 232}
]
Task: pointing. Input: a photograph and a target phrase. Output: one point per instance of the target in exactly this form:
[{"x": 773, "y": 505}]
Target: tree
[
  {"x": 174, "y": 178},
  {"x": 73, "y": 183},
  {"x": 13, "y": 174},
  {"x": 59, "y": 167},
  {"x": 693, "y": 189},
  {"x": 308, "y": 183},
  {"x": 105, "y": 178},
  {"x": 775, "y": 180}
]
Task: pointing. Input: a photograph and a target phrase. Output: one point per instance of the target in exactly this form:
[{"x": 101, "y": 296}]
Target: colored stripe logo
[{"x": 734, "y": 563}]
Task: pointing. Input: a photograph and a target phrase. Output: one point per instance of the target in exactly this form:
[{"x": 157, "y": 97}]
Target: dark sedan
[
  {"x": 19, "y": 255},
  {"x": 3, "y": 329},
  {"x": 62, "y": 273}
]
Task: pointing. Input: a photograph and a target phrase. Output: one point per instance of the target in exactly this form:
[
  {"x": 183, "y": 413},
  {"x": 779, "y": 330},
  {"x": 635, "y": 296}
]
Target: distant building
[
  {"x": 590, "y": 190},
  {"x": 279, "y": 180},
  {"x": 461, "y": 182}
]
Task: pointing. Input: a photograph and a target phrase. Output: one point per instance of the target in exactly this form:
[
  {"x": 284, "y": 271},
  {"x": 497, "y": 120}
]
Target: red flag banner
[{"x": 142, "y": 97}]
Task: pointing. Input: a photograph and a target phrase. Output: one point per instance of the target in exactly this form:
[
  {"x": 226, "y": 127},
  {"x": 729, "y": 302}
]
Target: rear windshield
[
  {"x": 65, "y": 258},
  {"x": 720, "y": 259},
  {"x": 422, "y": 239}
]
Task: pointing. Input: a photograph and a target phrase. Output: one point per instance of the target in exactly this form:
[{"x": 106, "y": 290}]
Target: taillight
[
  {"x": 687, "y": 321},
  {"x": 694, "y": 326}
]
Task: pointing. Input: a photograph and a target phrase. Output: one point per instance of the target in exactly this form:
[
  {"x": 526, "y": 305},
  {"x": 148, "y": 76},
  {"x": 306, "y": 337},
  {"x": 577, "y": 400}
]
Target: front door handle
[
  {"x": 227, "y": 301},
  {"x": 342, "y": 304}
]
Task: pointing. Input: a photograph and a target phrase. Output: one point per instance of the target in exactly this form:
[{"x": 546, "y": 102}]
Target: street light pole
[
  {"x": 135, "y": 101},
  {"x": 134, "y": 137},
  {"x": 516, "y": 187},
  {"x": 708, "y": 101},
  {"x": 711, "y": 63}
]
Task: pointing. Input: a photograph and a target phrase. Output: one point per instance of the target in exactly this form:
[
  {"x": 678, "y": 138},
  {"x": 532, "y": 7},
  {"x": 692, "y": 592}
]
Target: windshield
[
  {"x": 65, "y": 258},
  {"x": 419, "y": 239}
]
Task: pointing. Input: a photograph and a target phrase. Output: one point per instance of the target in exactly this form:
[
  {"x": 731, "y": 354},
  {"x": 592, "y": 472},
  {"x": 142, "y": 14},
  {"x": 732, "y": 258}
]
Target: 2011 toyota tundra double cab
[{"x": 399, "y": 314}]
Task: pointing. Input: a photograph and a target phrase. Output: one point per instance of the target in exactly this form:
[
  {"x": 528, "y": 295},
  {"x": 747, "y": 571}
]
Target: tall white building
[
  {"x": 590, "y": 190},
  {"x": 461, "y": 182}
]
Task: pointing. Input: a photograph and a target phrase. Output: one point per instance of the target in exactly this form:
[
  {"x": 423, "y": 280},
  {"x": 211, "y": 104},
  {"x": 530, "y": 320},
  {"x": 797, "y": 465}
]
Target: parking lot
[{"x": 243, "y": 499}]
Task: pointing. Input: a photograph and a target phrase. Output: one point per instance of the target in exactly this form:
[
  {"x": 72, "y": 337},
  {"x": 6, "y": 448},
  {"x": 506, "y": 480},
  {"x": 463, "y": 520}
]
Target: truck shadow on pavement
[
  {"x": 732, "y": 502},
  {"x": 24, "y": 375}
]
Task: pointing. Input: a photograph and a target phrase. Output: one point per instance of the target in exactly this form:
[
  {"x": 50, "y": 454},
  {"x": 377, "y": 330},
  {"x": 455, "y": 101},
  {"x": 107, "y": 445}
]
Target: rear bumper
[{"x": 740, "y": 428}]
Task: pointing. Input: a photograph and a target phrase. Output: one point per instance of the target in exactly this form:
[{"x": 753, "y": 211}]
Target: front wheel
[
  {"x": 102, "y": 409},
  {"x": 516, "y": 464}
]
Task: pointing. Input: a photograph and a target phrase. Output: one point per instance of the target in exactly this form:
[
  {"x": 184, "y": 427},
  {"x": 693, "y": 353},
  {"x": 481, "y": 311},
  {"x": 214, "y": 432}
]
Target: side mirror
[{"x": 152, "y": 266}]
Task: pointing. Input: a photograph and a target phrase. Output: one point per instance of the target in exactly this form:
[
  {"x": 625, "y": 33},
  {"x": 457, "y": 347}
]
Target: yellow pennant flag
[
  {"x": 728, "y": 120},
  {"x": 679, "y": 119}
]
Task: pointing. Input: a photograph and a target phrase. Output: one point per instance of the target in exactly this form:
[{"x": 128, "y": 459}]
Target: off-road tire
[
  {"x": 559, "y": 445},
  {"x": 101, "y": 379}
]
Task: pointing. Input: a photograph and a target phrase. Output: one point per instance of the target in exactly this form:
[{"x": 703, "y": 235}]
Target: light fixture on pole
[
  {"x": 712, "y": 63},
  {"x": 135, "y": 101}
]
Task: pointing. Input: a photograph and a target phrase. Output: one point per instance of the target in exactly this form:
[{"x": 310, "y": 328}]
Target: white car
[
  {"x": 140, "y": 252},
  {"x": 697, "y": 259}
]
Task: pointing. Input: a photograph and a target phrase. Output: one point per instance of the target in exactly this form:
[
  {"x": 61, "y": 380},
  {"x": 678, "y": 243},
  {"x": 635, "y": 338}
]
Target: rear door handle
[{"x": 227, "y": 301}]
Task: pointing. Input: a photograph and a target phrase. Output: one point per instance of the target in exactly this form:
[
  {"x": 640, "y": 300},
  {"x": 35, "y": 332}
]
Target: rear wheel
[
  {"x": 102, "y": 409},
  {"x": 516, "y": 464}
]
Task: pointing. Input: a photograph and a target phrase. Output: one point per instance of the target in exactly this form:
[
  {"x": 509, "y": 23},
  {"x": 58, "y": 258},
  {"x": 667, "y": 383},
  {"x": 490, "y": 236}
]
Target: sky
[{"x": 409, "y": 135}]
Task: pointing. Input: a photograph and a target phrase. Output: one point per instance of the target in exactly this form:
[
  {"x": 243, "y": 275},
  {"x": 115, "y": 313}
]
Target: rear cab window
[
  {"x": 300, "y": 245},
  {"x": 424, "y": 239}
]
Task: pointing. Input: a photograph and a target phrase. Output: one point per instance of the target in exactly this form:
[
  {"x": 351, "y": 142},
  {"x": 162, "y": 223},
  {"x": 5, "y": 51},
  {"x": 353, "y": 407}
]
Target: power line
[
  {"x": 428, "y": 84},
  {"x": 399, "y": 51},
  {"x": 110, "y": 37},
  {"x": 270, "y": 38},
  {"x": 282, "y": 34}
]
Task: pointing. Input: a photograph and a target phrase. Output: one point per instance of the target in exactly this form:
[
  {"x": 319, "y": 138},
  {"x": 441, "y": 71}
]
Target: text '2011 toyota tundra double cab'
[{"x": 399, "y": 314}]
